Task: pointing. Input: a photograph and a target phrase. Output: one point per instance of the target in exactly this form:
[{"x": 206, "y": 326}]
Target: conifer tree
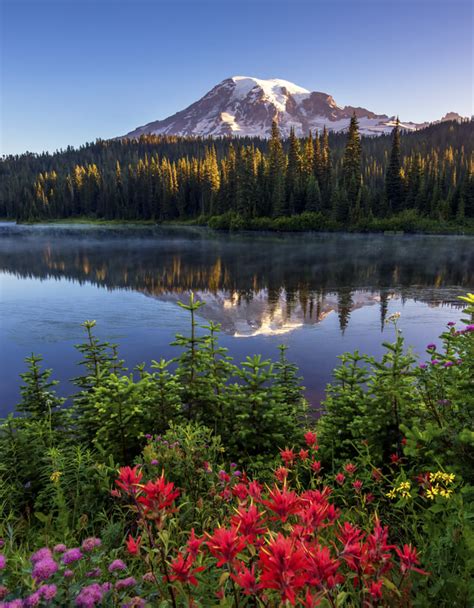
[
  {"x": 351, "y": 166},
  {"x": 276, "y": 173},
  {"x": 394, "y": 186}
]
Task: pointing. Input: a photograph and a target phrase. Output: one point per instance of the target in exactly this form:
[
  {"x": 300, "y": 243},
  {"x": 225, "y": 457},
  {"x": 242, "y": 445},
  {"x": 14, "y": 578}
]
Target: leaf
[{"x": 223, "y": 578}]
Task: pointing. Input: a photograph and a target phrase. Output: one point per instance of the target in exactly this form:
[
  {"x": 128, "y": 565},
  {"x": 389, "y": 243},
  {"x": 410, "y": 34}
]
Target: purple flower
[
  {"x": 68, "y": 573},
  {"x": 422, "y": 366},
  {"x": 149, "y": 577},
  {"x": 44, "y": 569},
  {"x": 237, "y": 473},
  {"x": 451, "y": 323},
  {"x": 48, "y": 592},
  {"x": 434, "y": 362},
  {"x": 2, "y": 542},
  {"x": 123, "y": 583},
  {"x": 72, "y": 555},
  {"x": 90, "y": 544},
  {"x": 431, "y": 347},
  {"x": 93, "y": 573},
  {"x": 33, "y": 600},
  {"x": 15, "y": 604},
  {"x": 459, "y": 361},
  {"x": 148, "y": 436},
  {"x": 41, "y": 554},
  {"x": 448, "y": 364},
  {"x": 59, "y": 548},
  {"x": 154, "y": 462},
  {"x": 3, "y": 561},
  {"x": 233, "y": 465},
  {"x": 106, "y": 587},
  {"x": 89, "y": 596},
  {"x": 469, "y": 328},
  {"x": 117, "y": 564}
]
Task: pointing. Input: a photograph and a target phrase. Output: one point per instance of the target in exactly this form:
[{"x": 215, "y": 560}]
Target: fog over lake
[{"x": 321, "y": 294}]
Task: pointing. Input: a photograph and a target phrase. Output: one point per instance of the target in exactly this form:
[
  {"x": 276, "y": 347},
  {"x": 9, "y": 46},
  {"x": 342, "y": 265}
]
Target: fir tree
[{"x": 394, "y": 186}]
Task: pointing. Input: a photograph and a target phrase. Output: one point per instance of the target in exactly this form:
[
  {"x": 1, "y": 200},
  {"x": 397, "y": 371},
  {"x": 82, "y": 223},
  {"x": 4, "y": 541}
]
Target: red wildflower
[
  {"x": 240, "y": 490},
  {"x": 282, "y": 502},
  {"x": 303, "y": 454},
  {"x": 182, "y": 569},
  {"x": 310, "y": 438},
  {"x": 321, "y": 568},
  {"x": 283, "y": 568},
  {"x": 357, "y": 485},
  {"x": 375, "y": 589},
  {"x": 281, "y": 474},
  {"x": 248, "y": 522},
  {"x": 376, "y": 474},
  {"x": 404, "y": 441},
  {"x": 369, "y": 498},
  {"x": 225, "y": 544},
  {"x": 246, "y": 579},
  {"x": 255, "y": 490},
  {"x": 316, "y": 466},
  {"x": 158, "y": 496},
  {"x": 129, "y": 478},
  {"x": 340, "y": 478},
  {"x": 394, "y": 458},
  {"x": 194, "y": 543},
  {"x": 288, "y": 456},
  {"x": 409, "y": 558},
  {"x": 133, "y": 546},
  {"x": 350, "y": 468}
]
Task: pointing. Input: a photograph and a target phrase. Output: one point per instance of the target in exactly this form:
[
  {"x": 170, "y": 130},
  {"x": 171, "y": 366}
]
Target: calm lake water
[{"x": 319, "y": 294}]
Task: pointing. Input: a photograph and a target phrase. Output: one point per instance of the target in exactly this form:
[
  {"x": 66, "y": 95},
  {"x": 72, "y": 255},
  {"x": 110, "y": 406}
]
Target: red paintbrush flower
[
  {"x": 129, "y": 479},
  {"x": 288, "y": 456},
  {"x": 310, "y": 438},
  {"x": 194, "y": 544},
  {"x": 248, "y": 522},
  {"x": 282, "y": 502},
  {"x": 158, "y": 496},
  {"x": 409, "y": 559},
  {"x": 246, "y": 579},
  {"x": 133, "y": 546},
  {"x": 225, "y": 544},
  {"x": 283, "y": 567},
  {"x": 321, "y": 568},
  {"x": 182, "y": 570}
]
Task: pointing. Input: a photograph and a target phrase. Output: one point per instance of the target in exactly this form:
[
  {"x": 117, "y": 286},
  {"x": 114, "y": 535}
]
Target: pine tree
[
  {"x": 394, "y": 186},
  {"x": 351, "y": 165},
  {"x": 38, "y": 398},
  {"x": 276, "y": 173},
  {"x": 294, "y": 175}
]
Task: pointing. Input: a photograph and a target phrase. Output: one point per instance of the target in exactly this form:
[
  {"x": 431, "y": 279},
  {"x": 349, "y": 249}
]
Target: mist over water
[{"x": 321, "y": 294}]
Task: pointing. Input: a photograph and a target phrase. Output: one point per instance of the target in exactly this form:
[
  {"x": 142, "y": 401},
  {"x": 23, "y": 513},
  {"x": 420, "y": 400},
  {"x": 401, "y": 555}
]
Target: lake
[{"x": 320, "y": 294}]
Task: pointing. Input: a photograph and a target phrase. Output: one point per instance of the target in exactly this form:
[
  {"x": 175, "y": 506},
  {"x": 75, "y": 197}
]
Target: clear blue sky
[{"x": 74, "y": 70}]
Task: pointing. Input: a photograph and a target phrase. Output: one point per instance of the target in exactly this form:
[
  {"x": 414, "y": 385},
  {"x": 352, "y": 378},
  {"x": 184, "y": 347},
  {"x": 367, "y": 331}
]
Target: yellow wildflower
[{"x": 55, "y": 475}]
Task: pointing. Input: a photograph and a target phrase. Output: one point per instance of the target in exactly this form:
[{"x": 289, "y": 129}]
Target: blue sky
[{"x": 74, "y": 70}]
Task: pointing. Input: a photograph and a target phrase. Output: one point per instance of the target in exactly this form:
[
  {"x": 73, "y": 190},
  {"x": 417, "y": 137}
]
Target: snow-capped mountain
[{"x": 246, "y": 106}]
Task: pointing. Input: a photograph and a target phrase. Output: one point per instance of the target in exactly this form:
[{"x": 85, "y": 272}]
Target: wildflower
[
  {"x": 194, "y": 544},
  {"x": 310, "y": 438},
  {"x": 377, "y": 473},
  {"x": 434, "y": 362},
  {"x": 90, "y": 544},
  {"x": 350, "y": 468},
  {"x": 41, "y": 554},
  {"x": 451, "y": 324},
  {"x": 288, "y": 456},
  {"x": 159, "y": 496},
  {"x": 282, "y": 502},
  {"x": 149, "y": 577},
  {"x": 225, "y": 544},
  {"x": 33, "y": 600},
  {"x": 72, "y": 555},
  {"x": 154, "y": 462},
  {"x": 123, "y": 583},
  {"x": 369, "y": 498},
  {"x": 394, "y": 458},
  {"x": 281, "y": 474},
  {"x": 129, "y": 478},
  {"x": 133, "y": 546},
  {"x": 237, "y": 473},
  {"x": 117, "y": 564},
  {"x": 431, "y": 347},
  {"x": 248, "y": 522},
  {"x": 448, "y": 364},
  {"x": 303, "y": 454},
  {"x": 48, "y": 592},
  {"x": 409, "y": 559},
  {"x": 340, "y": 478},
  {"x": 135, "y": 602},
  {"x": 283, "y": 566},
  {"x": 43, "y": 569},
  {"x": 255, "y": 490},
  {"x": 68, "y": 573},
  {"x": 322, "y": 568},
  {"x": 357, "y": 485},
  {"x": 375, "y": 589},
  {"x": 94, "y": 573},
  {"x": 55, "y": 475},
  {"x": 246, "y": 579},
  {"x": 182, "y": 570},
  {"x": 60, "y": 548},
  {"x": 316, "y": 466},
  {"x": 224, "y": 477},
  {"x": 422, "y": 366},
  {"x": 393, "y": 318},
  {"x": 3, "y": 562},
  {"x": 89, "y": 596}
]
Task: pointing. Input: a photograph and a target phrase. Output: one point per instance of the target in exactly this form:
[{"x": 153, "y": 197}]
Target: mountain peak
[{"x": 246, "y": 106}]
